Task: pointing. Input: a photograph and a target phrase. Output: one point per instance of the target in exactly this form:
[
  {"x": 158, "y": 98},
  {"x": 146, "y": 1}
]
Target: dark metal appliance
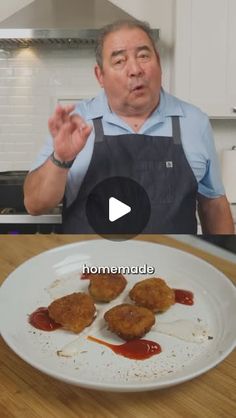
[
  {"x": 14, "y": 218},
  {"x": 11, "y": 191}
]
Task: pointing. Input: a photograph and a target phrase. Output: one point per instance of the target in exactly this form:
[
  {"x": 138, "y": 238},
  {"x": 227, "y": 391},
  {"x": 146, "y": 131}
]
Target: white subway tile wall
[{"x": 32, "y": 80}]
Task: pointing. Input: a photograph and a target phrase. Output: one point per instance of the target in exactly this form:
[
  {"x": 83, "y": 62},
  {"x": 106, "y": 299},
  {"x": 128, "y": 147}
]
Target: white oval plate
[{"x": 56, "y": 272}]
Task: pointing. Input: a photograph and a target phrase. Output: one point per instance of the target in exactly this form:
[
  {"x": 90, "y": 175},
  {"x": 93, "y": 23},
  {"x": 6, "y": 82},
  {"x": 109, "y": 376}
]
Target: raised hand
[{"x": 69, "y": 132}]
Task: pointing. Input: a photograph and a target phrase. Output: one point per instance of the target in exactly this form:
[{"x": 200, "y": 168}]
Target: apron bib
[{"x": 157, "y": 163}]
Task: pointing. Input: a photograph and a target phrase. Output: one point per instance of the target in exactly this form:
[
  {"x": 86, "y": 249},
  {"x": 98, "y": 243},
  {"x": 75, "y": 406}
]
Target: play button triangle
[{"x": 117, "y": 209}]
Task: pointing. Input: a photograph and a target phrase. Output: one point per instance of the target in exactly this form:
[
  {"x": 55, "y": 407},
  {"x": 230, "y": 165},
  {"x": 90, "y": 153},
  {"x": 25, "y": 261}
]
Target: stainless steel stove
[{"x": 13, "y": 215}]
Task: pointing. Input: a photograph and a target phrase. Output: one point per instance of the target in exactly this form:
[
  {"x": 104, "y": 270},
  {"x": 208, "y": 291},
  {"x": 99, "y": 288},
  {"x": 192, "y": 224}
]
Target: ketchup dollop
[
  {"x": 40, "y": 319},
  {"x": 184, "y": 296},
  {"x": 135, "y": 349}
]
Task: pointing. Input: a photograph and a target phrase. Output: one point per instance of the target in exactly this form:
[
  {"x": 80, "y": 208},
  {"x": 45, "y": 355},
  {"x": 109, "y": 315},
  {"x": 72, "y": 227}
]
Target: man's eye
[
  {"x": 144, "y": 57},
  {"x": 119, "y": 61}
]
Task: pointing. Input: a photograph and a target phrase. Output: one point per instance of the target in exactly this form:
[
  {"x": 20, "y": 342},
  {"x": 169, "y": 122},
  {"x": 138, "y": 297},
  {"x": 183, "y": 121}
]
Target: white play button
[{"x": 117, "y": 209}]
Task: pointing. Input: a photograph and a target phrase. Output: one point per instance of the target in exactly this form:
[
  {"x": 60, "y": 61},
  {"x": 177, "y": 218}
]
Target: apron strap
[
  {"x": 176, "y": 130},
  {"x": 99, "y": 133},
  {"x": 98, "y": 129}
]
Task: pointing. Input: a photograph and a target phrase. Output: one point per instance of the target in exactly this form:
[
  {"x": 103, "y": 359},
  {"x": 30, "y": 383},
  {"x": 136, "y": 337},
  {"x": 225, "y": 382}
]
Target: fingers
[
  {"x": 70, "y": 132},
  {"x": 70, "y": 141},
  {"x": 71, "y": 137},
  {"x": 59, "y": 117},
  {"x": 80, "y": 127},
  {"x": 63, "y": 112},
  {"x": 65, "y": 130},
  {"x": 78, "y": 122},
  {"x": 84, "y": 132}
]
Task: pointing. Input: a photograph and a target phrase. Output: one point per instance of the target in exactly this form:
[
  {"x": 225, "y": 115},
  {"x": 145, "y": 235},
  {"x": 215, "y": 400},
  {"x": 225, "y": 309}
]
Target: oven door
[
  {"x": 14, "y": 218},
  {"x": 11, "y": 191}
]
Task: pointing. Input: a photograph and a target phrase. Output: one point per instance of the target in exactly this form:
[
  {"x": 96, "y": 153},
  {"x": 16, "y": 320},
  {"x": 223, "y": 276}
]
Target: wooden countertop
[{"x": 27, "y": 393}]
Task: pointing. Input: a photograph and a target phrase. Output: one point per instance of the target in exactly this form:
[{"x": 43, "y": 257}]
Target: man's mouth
[{"x": 138, "y": 87}]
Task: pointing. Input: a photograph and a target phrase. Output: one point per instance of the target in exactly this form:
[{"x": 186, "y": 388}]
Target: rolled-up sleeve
[
  {"x": 45, "y": 152},
  {"x": 211, "y": 184}
]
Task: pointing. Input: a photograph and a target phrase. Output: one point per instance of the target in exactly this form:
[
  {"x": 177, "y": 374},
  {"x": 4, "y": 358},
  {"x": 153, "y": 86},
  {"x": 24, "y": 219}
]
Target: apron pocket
[{"x": 158, "y": 179}]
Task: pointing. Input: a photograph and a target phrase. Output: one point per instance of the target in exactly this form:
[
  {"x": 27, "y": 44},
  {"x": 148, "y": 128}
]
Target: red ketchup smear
[
  {"x": 40, "y": 319},
  {"x": 184, "y": 296},
  {"x": 134, "y": 349}
]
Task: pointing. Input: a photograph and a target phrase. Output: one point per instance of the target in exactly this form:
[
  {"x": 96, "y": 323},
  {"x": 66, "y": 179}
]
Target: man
[{"x": 136, "y": 130}]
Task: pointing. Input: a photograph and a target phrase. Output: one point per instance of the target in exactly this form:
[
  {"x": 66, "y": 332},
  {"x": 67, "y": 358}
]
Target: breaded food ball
[
  {"x": 129, "y": 321},
  {"x": 74, "y": 312},
  {"x": 153, "y": 294},
  {"x": 106, "y": 287}
]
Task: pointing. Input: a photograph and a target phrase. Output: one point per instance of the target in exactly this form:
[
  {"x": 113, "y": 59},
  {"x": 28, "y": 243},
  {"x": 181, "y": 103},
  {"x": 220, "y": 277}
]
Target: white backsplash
[{"x": 31, "y": 81}]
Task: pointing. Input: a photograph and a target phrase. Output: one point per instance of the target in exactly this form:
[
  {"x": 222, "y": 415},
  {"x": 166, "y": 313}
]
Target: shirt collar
[{"x": 168, "y": 106}]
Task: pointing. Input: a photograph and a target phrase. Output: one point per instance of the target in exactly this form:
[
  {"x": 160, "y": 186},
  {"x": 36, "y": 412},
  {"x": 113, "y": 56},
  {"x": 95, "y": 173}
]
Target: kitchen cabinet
[{"x": 205, "y": 55}]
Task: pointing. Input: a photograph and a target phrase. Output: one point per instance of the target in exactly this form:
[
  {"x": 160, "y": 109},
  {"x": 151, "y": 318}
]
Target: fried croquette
[
  {"x": 153, "y": 294},
  {"x": 129, "y": 321},
  {"x": 74, "y": 312},
  {"x": 106, "y": 287}
]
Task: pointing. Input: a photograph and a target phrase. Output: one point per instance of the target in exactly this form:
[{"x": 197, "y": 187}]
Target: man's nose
[{"x": 134, "y": 67}]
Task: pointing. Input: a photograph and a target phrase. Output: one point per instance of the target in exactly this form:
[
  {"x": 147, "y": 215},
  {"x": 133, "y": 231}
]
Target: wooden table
[{"x": 27, "y": 393}]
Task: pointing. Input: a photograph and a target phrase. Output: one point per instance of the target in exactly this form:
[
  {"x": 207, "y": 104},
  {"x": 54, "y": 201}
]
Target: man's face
[{"x": 131, "y": 73}]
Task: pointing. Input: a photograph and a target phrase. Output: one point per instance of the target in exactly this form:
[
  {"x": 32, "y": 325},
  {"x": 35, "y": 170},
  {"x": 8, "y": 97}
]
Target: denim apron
[{"x": 157, "y": 163}]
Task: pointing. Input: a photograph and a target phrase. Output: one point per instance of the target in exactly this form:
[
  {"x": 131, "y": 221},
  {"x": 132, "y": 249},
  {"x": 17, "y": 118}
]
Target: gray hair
[{"x": 115, "y": 26}]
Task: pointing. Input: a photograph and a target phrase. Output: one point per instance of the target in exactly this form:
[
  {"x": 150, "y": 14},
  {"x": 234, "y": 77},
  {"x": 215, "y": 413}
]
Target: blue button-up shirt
[{"x": 196, "y": 135}]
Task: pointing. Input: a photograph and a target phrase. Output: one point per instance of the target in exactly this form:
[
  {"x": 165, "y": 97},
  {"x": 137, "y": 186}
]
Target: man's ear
[
  {"x": 99, "y": 74},
  {"x": 159, "y": 61}
]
